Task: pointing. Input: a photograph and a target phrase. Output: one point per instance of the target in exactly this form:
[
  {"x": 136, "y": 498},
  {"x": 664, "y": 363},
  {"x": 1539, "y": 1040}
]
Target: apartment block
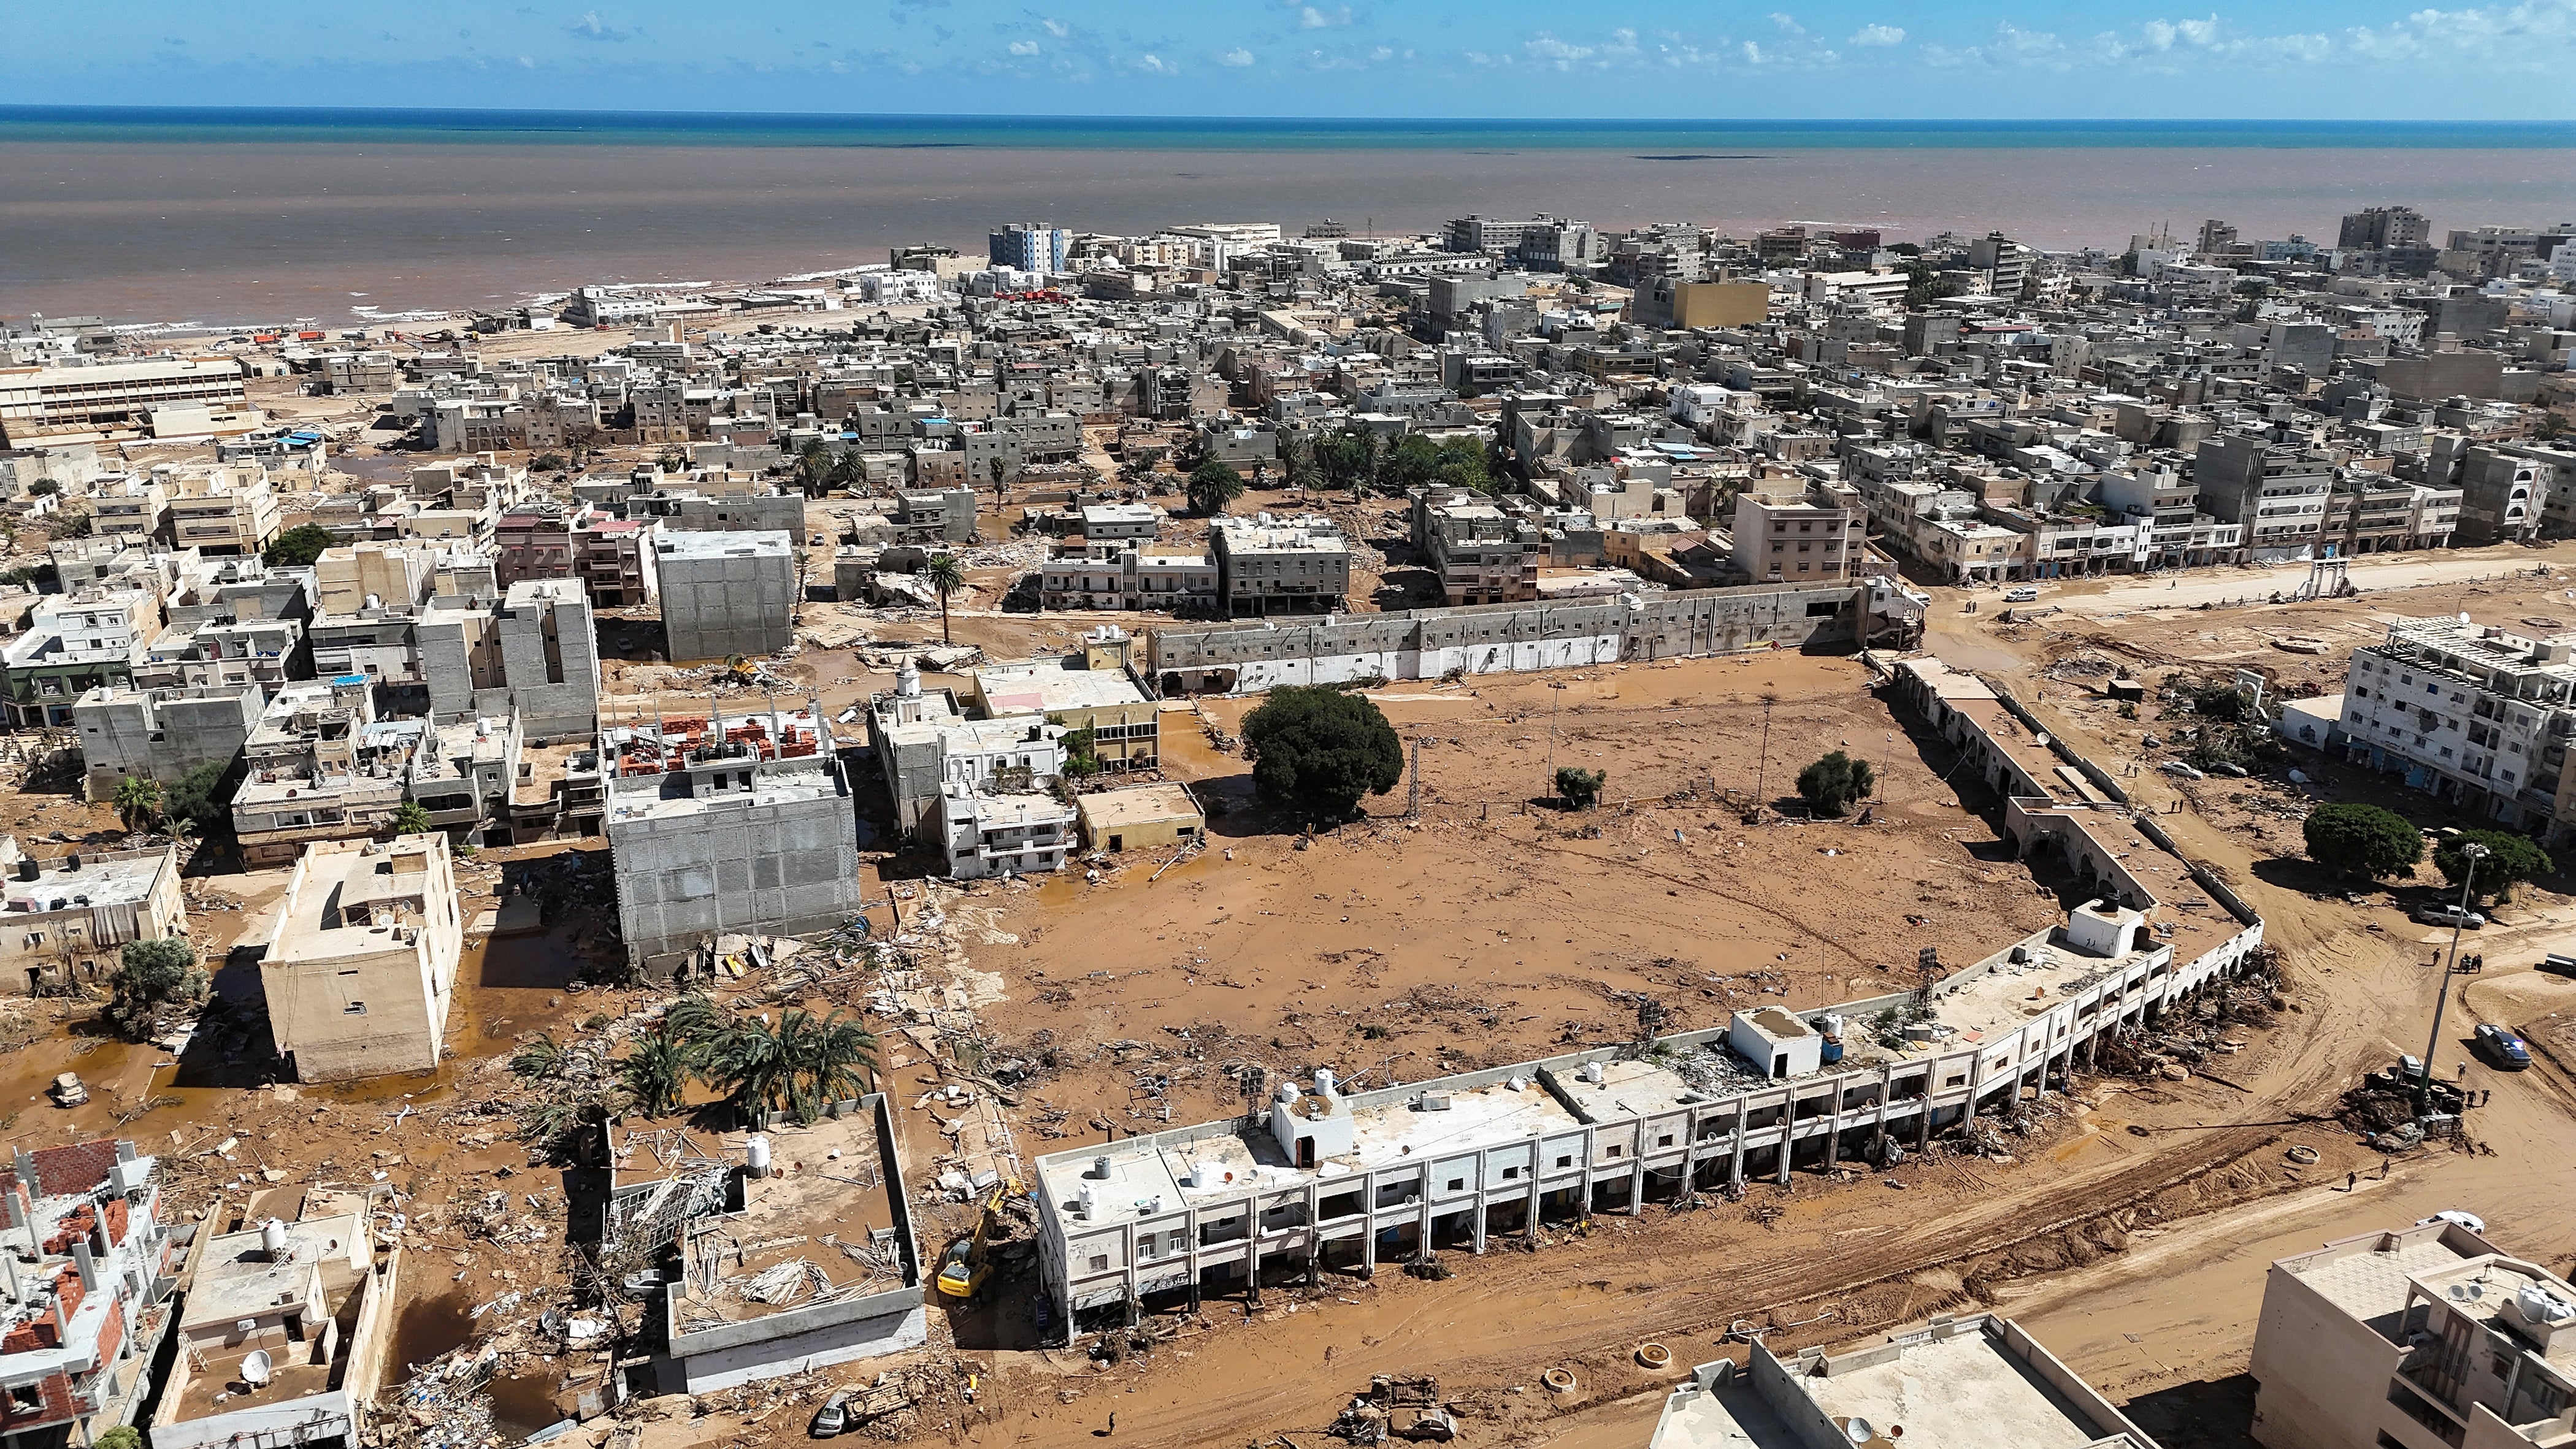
[
  {"x": 70, "y": 916},
  {"x": 1798, "y": 538},
  {"x": 725, "y": 593},
  {"x": 2426, "y": 1337},
  {"x": 222, "y": 512},
  {"x": 1124, "y": 576},
  {"x": 1097, "y": 689},
  {"x": 1286, "y": 565},
  {"x": 1481, "y": 554},
  {"x": 534, "y": 653},
  {"x": 91, "y": 1268},
  {"x": 2473, "y": 714},
  {"x": 2277, "y": 492},
  {"x": 161, "y": 734}
]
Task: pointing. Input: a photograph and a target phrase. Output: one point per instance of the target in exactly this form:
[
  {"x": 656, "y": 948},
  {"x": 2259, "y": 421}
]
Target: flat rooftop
[
  {"x": 1039, "y": 686},
  {"x": 2369, "y": 1275},
  {"x": 1137, "y": 805},
  {"x": 690, "y": 546},
  {"x": 112, "y": 880}
]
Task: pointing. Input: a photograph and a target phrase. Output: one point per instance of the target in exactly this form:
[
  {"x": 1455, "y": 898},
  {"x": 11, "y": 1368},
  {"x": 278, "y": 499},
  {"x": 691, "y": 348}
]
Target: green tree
[
  {"x": 656, "y": 1070},
  {"x": 298, "y": 547},
  {"x": 2511, "y": 859},
  {"x": 1297, "y": 464},
  {"x": 1316, "y": 751},
  {"x": 2363, "y": 842},
  {"x": 1347, "y": 459},
  {"x": 411, "y": 819},
  {"x": 947, "y": 576},
  {"x": 1081, "y": 754},
  {"x": 549, "y": 463},
  {"x": 1579, "y": 787},
  {"x": 156, "y": 982},
  {"x": 202, "y": 797},
  {"x": 813, "y": 466},
  {"x": 138, "y": 801},
  {"x": 1213, "y": 485},
  {"x": 123, "y": 1436},
  {"x": 799, "y": 1066},
  {"x": 1410, "y": 464},
  {"x": 1830, "y": 785}
]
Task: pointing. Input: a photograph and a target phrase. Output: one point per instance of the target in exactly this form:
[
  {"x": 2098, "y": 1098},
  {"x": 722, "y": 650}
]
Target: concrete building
[
  {"x": 1481, "y": 555},
  {"x": 988, "y": 833},
  {"x": 2421, "y": 1337},
  {"x": 2471, "y": 714},
  {"x": 68, "y": 918},
  {"x": 75, "y": 643},
  {"x": 180, "y": 397},
  {"x": 161, "y": 734},
  {"x": 316, "y": 1296},
  {"x": 1286, "y": 565},
  {"x": 1979, "y": 1382},
  {"x": 361, "y": 966},
  {"x": 91, "y": 1268},
  {"x": 1250, "y": 655},
  {"x": 1029, "y": 246},
  {"x": 924, "y": 743},
  {"x": 725, "y": 593},
  {"x": 2277, "y": 492},
  {"x": 1123, "y": 576},
  {"x": 690, "y": 512},
  {"x": 742, "y": 824},
  {"x": 1140, "y": 818},
  {"x": 318, "y": 767},
  {"x": 1097, "y": 690},
  {"x": 222, "y": 512},
  {"x": 534, "y": 652},
  {"x": 1798, "y": 538}
]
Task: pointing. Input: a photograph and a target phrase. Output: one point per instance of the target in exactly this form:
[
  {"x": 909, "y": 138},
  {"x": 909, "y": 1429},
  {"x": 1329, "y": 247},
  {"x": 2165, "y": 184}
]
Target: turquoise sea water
[{"x": 286, "y": 124}]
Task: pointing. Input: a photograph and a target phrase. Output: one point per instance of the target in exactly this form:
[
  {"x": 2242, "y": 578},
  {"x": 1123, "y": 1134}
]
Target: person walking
[{"x": 2351, "y": 1180}]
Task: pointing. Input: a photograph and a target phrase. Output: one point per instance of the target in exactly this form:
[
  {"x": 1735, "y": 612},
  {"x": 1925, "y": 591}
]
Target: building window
[
  {"x": 1100, "y": 1262},
  {"x": 1457, "y": 1184},
  {"x": 27, "y": 1396},
  {"x": 1566, "y": 1161}
]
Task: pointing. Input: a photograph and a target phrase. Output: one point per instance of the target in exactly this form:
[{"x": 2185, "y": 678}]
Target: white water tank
[
  {"x": 755, "y": 1155},
  {"x": 1592, "y": 1073},
  {"x": 1518, "y": 1084},
  {"x": 272, "y": 1240},
  {"x": 1090, "y": 1201},
  {"x": 907, "y": 681},
  {"x": 1287, "y": 1094},
  {"x": 1323, "y": 1081},
  {"x": 2543, "y": 1308}
]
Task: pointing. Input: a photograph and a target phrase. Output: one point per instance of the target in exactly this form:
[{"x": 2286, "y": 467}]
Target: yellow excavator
[{"x": 963, "y": 1268}]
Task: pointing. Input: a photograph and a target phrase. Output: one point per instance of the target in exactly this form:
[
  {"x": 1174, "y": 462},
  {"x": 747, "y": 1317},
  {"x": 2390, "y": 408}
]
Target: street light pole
[{"x": 2472, "y": 852}]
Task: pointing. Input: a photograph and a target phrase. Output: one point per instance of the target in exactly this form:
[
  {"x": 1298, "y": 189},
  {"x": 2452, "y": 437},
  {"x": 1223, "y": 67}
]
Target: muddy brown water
[{"x": 428, "y": 1327}]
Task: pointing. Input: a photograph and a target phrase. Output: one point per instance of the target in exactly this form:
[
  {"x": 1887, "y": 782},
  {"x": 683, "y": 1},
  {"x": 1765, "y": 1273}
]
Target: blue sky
[{"x": 2358, "y": 59}]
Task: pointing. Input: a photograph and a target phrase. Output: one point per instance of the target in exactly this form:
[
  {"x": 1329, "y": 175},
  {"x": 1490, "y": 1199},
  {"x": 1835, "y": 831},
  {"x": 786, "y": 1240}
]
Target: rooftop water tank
[
  {"x": 755, "y": 1155},
  {"x": 272, "y": 1240}
]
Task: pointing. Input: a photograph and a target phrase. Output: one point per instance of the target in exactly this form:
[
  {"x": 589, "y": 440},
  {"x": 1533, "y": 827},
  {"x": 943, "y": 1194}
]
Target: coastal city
[{"x": 1527, "y": 833}]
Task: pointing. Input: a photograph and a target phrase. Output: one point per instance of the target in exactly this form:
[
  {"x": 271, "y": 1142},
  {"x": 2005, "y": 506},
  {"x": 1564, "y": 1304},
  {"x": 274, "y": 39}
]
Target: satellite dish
[
  {"x": 1857, "y": 1429},
  {"x": 255, "y": 1368}
]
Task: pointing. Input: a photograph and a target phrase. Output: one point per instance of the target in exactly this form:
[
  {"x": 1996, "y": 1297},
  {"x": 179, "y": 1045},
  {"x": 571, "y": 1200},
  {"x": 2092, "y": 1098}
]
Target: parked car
[
  {"x": 2024, "y": 595},
  {"x": 2556, "y": 965},
  {"x": 833, "y": 1417},
  {"x": 2181, "y": 770},
  {"x": 2447, "y": 914},
  {"x": 2502, "y": 1047},
  {"x": 2468, "y": 1220}
]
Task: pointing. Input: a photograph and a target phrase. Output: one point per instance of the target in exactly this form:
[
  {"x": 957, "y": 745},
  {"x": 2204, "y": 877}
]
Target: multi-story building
[
  {"x": 531, "y": 656},
  {"x": 1287, "y": 565},
  {"x": 1030, "y": 246},
  {"x": 727, "y": 823},
  {"x": 2381, "y": 228},
  {"x": 361, "y": 965},
  {"x": 1481, "y": 554},
  {"x": 725, "y": 593},
  {"x": 226, "y": 511},
  {"x": 1097, "y": 690},
  {"x": 1123, "y": 576},
  {"x": 86, "y": 1302},
  {"x": 69, "y": 917},
  {"x": 161, "y": 734},
  {"x": 2276, "y": 492},
  {"x": 119, "y": 401},
  {"x": 2419, "y": 1338},
  {"x": 1798, "y": 538},
  {"x": 2471, "y": 714},
  {"x": 75, "y": 643}
]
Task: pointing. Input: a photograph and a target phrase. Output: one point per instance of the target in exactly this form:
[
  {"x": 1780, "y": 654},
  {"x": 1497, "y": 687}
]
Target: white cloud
[
  {"x": 1879, "y": 35},
  {"x": 1311, "y": 18},
  {"x": 1237, "y": 57},
  {"x": 1024, "y": 47},
  {"x": 527, "y": 63},
  {"x": 1548, "y": 50},
  {"x": 1752, "y": 53},
  {"x": 1787, "y": 22},
  {"x": 1057, "y": 28},
  {"x": 1155, "y": 64}
]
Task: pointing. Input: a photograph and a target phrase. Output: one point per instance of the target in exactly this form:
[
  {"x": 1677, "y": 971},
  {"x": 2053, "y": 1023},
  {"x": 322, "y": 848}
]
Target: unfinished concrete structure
[
  {"x": 535, "y": 651},
  {"x": 693, "y": 1225},
  {"x": 2422, "y": 1337},
  {"x": 161, "y": 734},
  {"x": 1954, "y": 1383},
  {"x": 725, "y": 593},
  {"x": 89, "y": 1264},
  {"x": 739, "y": 823},
  {"x": 1327, "y": 1179},
  {"x": 1252, "y": 655},
  {"x": 361, "y": 966}
]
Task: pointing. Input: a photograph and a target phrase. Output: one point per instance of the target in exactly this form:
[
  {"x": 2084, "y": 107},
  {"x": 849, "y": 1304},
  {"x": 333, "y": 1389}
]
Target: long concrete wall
[{"x": 1254, "y": 655}]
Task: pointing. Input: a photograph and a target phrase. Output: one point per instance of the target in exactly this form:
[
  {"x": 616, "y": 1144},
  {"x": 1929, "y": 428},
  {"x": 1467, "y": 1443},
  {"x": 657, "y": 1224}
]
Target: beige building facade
[{"x": 361, "y": 967}]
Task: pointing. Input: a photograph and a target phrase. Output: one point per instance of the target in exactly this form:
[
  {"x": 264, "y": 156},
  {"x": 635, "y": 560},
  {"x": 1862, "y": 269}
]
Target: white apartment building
[{"x": 2470, "y": 714}]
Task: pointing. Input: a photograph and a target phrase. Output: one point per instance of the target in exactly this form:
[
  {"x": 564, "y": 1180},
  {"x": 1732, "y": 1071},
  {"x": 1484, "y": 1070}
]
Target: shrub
[
  {"x": 2363, "y": 841},
  {"x": 1831, "y": 784}
]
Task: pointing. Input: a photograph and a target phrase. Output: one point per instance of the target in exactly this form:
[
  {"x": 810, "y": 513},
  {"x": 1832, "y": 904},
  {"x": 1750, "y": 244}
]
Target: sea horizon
[{"x": 244, "y": 215}]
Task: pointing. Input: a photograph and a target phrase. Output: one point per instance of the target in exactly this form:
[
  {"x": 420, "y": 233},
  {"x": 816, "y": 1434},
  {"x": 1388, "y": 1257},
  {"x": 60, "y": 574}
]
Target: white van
[{"x": 2023, "y": 595}]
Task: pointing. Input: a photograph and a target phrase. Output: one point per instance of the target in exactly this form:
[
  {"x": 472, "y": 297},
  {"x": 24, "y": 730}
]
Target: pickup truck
[{"x": 2447, "y": 914}]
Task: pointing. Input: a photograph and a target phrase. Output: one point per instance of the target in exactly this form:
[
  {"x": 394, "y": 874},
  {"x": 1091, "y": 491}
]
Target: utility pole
[
  {"x": 1553, "y": 701},
  {"x": 1762, "y": 765},
  {"x": 1413, "y": 797},
  {"x": 2473, "y": 853}
]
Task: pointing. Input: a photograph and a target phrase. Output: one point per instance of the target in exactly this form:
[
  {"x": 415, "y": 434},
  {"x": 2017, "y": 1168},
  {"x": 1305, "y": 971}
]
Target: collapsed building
[{"x": 90, "y": 1266}]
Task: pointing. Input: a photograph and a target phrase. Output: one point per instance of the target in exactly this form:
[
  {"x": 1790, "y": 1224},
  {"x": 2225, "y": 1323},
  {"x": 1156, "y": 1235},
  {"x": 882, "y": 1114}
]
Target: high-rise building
[
  {"x": 1030, "y": 246},
  {"x": 2380, "y": 228}
]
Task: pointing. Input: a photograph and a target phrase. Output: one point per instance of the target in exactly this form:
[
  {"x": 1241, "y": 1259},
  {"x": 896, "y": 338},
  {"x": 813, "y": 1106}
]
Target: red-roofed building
[{"x": 83, "y": 1304}]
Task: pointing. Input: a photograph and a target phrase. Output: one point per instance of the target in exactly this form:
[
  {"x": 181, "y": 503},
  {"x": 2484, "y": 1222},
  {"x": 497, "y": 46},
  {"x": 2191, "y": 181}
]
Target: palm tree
[
  {"x": 997, "y": 483},
  {"x": 798, "y": 1066},
  {"x": 813, "y": 465},
  {"x": 410, "y": 818},
  {"x": 946, "y": 575},
  {"x": 1213, "y": 485},
  {"x": 656, "y": 1070},
  {"x": 138, "y": 801}
]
